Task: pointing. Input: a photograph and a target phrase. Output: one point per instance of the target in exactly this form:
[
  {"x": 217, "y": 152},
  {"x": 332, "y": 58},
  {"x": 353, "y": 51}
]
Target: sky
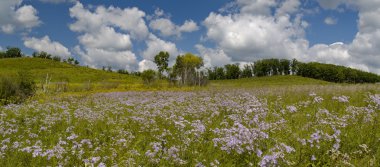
[{"x": 127, "y": 34}]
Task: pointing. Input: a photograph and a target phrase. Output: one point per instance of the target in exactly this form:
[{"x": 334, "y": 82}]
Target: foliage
[
  {"x": 121, "y": 71},
  {"x": 247, "y": 71},
  {"x": 42, "y": 55},
  {"x": 334, "y": 73},
  {"x": 16, "y": 89},
  {"x": 232, "y": 71},
  {"x": 11, "y": 52},
  {"x": 273, "y": 67},
  {"x": 162, "y": 62},
  {"x": 186, "y": 67},
  {"x": 148, "y": 76}
]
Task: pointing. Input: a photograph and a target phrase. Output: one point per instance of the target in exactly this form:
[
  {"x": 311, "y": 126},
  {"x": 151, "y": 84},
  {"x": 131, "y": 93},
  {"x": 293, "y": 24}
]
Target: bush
[
  {"x": 148, "y": 76},
  {"x": 16, "y": 89}
]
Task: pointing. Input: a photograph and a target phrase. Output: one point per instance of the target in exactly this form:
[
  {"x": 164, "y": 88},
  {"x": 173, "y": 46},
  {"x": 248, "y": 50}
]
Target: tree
[
  {"x": 220, "y": 73},
  {"x": 162, "y": 62},
  {"x": 232, "y": 71},
  {"x": 2, "y": 55},
  {"x": 70, "y": 60},
  {"x": 247, "y": 71},
  {"x": 294, "y": 66},
  {"x": 57, "y": 58},
  {"x": 148, "y": 76},
  {"x": 13, "y": 52},
  {"x": 186, "y": 66},
  {"x": 284, "y": 67}
]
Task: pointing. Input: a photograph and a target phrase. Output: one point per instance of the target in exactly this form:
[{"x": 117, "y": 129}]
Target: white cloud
[
  {"x": 14, "y": 16},
  {"x": 256, "y": 7},
  {"x": 130, "y": 20},
  {"x": 45, "y": 44},
  {"x": 155, "y": 45},
  {"x": 250, "y": 37},
  {"x": 330, "y": 21},
  {"x": 213, "y": 57},
  {"x": 56, "y": 1},
  {"x": 146, "y": 65},
  {"x": 288, "y": 7},
  {"x": 263, "y": 29},
  {"x": 107, "y": 35},
  {"x": 98, "y": 58},
  {"x": 106, "y": 38},
  {"x": 167, "y": 28}
]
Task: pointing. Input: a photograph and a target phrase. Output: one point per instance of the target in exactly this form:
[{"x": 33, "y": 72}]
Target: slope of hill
[
  {"x": 278, "y": 80},
  {"x": 58, "y": 71}
]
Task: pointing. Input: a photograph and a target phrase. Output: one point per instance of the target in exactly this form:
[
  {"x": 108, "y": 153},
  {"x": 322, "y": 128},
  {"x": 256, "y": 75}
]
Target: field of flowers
[{"x": 234, "y": 127}]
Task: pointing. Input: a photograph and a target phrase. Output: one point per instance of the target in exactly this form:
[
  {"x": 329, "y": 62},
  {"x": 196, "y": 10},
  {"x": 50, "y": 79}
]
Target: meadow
[{"x": 280, "y": 125}]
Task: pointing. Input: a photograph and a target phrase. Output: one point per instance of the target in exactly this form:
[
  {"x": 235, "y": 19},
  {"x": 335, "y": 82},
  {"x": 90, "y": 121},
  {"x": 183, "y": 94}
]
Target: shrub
[
  {"x": 16, "y": 89},
  {"x": 148, "y": 76}
]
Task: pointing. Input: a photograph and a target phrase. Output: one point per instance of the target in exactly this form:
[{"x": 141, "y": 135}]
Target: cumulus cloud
[
  {"x": 56, "y": 1},
  {"x": 330, "y": 21},
  {"x": 167, "y": 28},
  {"x": 98, "y": 58},
  {"x": 213, "y": 57},
  {"x": 364, "y": 48},
  {"x": 247, "y": 37},
  {"x": 130, "y": 20},
  {"x": 45, "y": 44},
  {"x": 266, "y": 29},
  {"x": 14, "y": 16},
  {"x": 100, "y": 43},
  {"x": 106, "y": 38}
]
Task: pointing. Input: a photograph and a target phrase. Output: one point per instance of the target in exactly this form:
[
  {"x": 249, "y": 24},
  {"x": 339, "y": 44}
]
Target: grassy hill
[
  {"x": 268, "y": 81},
  {"x": 59, "y": 71},
  {"x": 79, "y": 78}
]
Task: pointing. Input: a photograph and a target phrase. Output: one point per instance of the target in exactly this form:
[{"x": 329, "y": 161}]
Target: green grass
[
  {"x": 268, "y": 81},
  {"x": 124, "y": 127},
  {"x": 80, "y": 79},
  {"x": 58, "y": 71}
]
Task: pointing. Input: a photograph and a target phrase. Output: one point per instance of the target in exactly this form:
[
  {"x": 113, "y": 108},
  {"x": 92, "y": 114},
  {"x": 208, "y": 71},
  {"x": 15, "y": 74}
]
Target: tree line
[
  {"x": 14, "y": 52},
  {"x": 185, "y": 71},
  {"x": 272, "y": 67}
]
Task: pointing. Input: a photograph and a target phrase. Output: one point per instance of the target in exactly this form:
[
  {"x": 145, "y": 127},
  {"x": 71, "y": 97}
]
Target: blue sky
[{"x": 127, "y": 34}]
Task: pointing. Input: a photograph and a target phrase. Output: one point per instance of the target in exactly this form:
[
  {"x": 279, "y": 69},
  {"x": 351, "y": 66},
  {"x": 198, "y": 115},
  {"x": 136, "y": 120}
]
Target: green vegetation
[
  {"x": 314, "y": 125},
  {"x": 274, "y": 67},
  {"x": 334, "y": 73},
  {"x": 16, "y": 89},
  {"x": 148, "y": 76},
  {"x": 86, "y": 117},
  {"x": 162, "y": 62}
]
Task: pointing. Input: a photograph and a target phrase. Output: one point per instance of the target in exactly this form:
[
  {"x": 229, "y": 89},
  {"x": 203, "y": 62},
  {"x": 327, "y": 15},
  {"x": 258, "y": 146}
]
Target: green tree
[
  {"x": 247, "y": 71},
  {"x": 284, "y": 67},
  {"x": 148, "y": 76},
  {"x": 186, "y": 66},
  {"x": 220, "y": 73},
  {"x": 294, "y": 66},
  {"x": 13, "y": 52},
  {"x": 2, "y": 55},
  {"x": 162, "y": 62},
  {"x": 232, "y": 71}
]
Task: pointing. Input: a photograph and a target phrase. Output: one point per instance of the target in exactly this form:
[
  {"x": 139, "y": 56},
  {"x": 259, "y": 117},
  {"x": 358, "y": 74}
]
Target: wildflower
[
  {"x": 342, "y": 99},
  {"x": 313, "y": 158},
  {"x": 292, "y": 109}
]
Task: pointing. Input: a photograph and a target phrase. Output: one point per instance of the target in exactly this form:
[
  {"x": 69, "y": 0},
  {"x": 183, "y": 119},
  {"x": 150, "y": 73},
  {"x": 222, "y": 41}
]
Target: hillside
[
  {"x": 58, "y": 71},
  {"x": 268, "y": 81}
]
